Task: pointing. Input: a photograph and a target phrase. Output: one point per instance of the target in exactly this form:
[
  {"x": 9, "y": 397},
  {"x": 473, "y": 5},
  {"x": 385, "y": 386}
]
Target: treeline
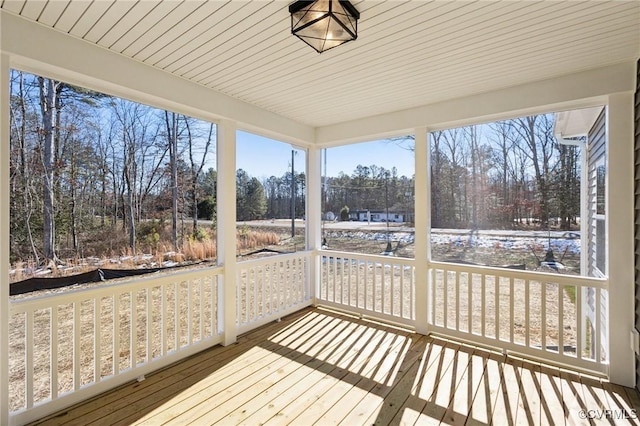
[
  {"x": 504, "y": 174},
  {"x": 91, "y": 175},
  {"x": 82, "y": 162},
  {"x": 369, "y": 188},
  {"x": 500, "y": 175}
]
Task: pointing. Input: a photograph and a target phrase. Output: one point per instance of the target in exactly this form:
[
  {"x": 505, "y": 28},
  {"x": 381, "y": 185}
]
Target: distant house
[{"x": 376, "y": 216}]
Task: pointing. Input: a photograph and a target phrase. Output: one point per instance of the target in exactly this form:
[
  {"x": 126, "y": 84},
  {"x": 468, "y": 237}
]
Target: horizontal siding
[
  {"x": 637, "y": 214},
  {"x": 596, "y": 153}
]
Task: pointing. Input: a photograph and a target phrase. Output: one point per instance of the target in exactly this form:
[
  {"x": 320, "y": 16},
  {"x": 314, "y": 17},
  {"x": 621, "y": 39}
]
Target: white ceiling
[{"x": 408, "y": 53}]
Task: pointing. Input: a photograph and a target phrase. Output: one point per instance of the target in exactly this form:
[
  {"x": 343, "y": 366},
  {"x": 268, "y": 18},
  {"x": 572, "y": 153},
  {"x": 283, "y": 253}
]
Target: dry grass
[{"x": 193, "y": 250}]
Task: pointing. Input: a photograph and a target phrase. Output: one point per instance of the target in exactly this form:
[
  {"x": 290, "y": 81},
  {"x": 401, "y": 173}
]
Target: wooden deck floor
[{"x": 320, "y": 367}]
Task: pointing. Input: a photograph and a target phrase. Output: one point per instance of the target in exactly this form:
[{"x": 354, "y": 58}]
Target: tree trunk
[
  {"x": 172, "y": 136},
  {"x": 47, "y": 104}
]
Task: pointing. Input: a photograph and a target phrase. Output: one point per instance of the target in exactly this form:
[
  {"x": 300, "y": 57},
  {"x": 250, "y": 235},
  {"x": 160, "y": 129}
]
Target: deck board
[{"x": 325, "y": 368}]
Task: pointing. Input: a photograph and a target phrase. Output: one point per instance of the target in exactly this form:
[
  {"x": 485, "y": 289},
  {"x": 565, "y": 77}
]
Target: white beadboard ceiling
[{"x": 408, "y": 53}]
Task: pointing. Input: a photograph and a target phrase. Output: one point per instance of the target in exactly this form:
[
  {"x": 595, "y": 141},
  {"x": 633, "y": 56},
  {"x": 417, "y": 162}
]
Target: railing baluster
[
  {"x": 349, "y": 283},
  {"x": 496, "y": 314},
  {"x": 512, "y": 303},
  {"x": 543, "y": 315},
  {"x": 366, "y": 284},
  {"x": 279, "y": 286},
  {"x": 457, "y": 290},
  {"x": 527, "y": 314},
  {"x": 54, "y": 351},
  {"x": 445, "y": 304},
  {"x": 201, "y": 304},
  {"x": 412, "y": 286},
  {"x": 483, "y": 310},
  {"x": 97, "y": 344},
  {"x": 579, "y": 322},
  {"x": 375, "y": 275},
  {"x": 115, "y": 350},
  {"x": 358, "y": 305},
  {"x": 273, "y": 282},
  {"x": 254, "y": 285},
  {"x": 402, "y": 295},
  {"x": 393, "y": 286},
  {"x": 289, "y": 287},
  {"x": 164, "y": 323},
  {"x": 176, "y": 316},
  {"x": 335, "y": 274},
  {"x": 290, "y": 282},
  {"x": 383, "y": 282},
  {"x": 264, "y": 289},
  {"x": 598, "y": 326},
  {"x": 560, "y": 319},
  {"x": 190, "y": 313},
  {"x": 469, "y": 302},
  {"x": 149, "y": 322},
  {"x": 77, "y": 328},
  {"x": 133, "y": 331},
  {"x": 28, "y": 358},
  {"x": 433, "y": 275}
]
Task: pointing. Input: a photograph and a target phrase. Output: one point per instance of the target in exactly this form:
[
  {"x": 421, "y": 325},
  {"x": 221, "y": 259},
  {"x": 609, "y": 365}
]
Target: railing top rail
[
  {"x": 372, "y": 257},
  {"x": 135, "y": 284},
  {"x": 573, "y": 280},
  {"x": 271, "y": 259}
]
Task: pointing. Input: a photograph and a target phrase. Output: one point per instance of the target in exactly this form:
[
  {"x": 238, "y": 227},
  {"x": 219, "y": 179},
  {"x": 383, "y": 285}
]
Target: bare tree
[
  {"x": 49, "y": 90},
  {"x": 196, "y": 167},
  {"x": 171, "y": 121},
  {"x": 538, "y": 145}
]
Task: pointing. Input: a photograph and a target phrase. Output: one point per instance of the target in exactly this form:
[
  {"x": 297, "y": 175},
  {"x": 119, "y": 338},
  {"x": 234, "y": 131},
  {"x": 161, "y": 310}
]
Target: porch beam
[
  {"x": 580, "y": 90},
  {"x": 4, "y": 238},
  {"x": 226, "y": 227},
  {"x": 422, "y": 228},
  {"x": 44, "y": 51},
  {"x": 620, "y": 248}
]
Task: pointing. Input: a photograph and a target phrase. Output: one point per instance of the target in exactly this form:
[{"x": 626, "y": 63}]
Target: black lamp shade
[{"x": 324, "y": 24}]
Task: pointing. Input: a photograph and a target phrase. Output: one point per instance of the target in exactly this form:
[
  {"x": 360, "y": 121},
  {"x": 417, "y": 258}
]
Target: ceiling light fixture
[{"x": 324, "y": 24}]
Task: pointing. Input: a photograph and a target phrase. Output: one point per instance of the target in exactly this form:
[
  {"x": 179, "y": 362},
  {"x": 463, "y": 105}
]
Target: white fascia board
[
  {"x": 44, "y": 51},
  {"x": 576, "y": 122},
  {"x": 579, "y": 90}
]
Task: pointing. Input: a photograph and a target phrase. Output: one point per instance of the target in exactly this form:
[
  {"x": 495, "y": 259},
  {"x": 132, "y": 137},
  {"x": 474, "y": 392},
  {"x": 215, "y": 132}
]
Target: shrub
[{"x": 344, "y": 213}]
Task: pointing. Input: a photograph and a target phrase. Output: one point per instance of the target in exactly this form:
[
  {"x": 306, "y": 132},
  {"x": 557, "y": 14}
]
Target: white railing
[
  {"x": 70, "y": 346},
  {"x": 377, "y": 286},
  {"x": 272, "y": 287},
  {"x": 542, "y": 315}
]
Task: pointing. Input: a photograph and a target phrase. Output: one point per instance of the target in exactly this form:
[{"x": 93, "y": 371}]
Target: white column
[
  {"x": 314, "y": 215},
  {"x": 422, "y": 228},
  {"x": 620, "y": 228},
  {"x": 226, "y": 227},
  {"x": 4, "y": 239}
]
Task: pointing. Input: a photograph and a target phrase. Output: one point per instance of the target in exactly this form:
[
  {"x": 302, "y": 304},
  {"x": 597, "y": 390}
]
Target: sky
[{"x": 263, "y": 157}]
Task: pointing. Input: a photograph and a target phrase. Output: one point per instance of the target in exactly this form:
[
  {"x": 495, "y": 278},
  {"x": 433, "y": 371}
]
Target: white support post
[
  {"x": 422, "y": 236},
  {"x": 226, "y": 227},
  {"x": 4, "y": 239},
  {"x": 314, "y": 215},
  {"x": 620, "y": 244}
]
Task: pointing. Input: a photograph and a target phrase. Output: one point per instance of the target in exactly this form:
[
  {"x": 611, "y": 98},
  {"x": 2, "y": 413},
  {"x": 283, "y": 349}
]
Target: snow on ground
[{"x": 484, "y": 239}]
